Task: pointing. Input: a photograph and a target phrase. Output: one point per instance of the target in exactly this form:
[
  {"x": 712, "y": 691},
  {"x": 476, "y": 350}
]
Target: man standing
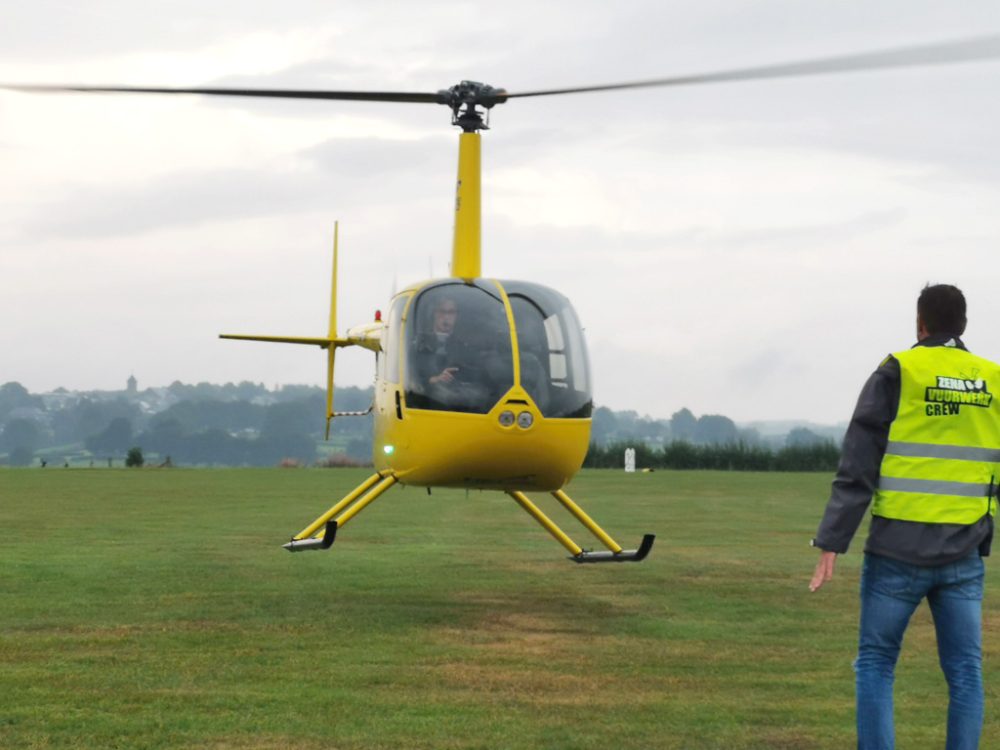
[{"x": 923, "y": 448}]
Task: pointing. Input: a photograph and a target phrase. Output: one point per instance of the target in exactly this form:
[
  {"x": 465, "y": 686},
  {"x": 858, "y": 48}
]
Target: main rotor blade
[
  {"x": 469, "y": 93},
  {"x": 361, "y": 96},
  {"x": 964, "y": 50}
]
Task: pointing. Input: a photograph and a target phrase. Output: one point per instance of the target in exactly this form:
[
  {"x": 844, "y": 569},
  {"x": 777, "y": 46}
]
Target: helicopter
[{"x": 483, "y": 383}]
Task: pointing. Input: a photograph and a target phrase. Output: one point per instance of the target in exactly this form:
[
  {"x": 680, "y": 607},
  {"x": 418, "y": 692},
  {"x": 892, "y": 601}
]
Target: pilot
[
  {"x": 440, "y": 353},
  {"x": 448, "y": 368}
]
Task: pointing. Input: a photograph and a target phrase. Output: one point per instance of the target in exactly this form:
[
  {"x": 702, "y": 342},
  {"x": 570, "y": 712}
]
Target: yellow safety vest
[{"x": 942, "y": 462}]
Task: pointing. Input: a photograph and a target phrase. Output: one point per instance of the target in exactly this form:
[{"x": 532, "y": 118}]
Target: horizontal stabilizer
[
  {"x": 310, "y": 340},
  {"x": 626, "y": 555}
]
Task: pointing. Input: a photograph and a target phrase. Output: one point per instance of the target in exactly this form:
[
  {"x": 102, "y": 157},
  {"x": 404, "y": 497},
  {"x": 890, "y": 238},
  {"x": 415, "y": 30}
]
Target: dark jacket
[{"x": 858, "y": 474}]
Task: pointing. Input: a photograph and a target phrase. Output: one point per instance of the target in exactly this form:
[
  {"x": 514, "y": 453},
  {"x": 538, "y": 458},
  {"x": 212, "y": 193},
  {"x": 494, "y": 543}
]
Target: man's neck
[{"x": 941, "y": 339}]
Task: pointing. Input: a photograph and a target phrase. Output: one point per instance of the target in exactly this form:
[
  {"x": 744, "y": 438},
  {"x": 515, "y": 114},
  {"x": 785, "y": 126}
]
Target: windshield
[
  {"x": 554, "y": 367},
  {"x": 458, "y": 348}
]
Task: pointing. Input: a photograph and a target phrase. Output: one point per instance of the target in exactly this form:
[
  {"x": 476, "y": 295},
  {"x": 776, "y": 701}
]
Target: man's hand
[
  {"x": 446, "y": 376},
  {"x": 824, "y": 570}
]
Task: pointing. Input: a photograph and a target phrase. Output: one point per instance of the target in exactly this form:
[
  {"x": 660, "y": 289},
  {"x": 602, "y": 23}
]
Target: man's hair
[
  {"x": 941, "y": 307},
  {"x": 443, "y": 300}
]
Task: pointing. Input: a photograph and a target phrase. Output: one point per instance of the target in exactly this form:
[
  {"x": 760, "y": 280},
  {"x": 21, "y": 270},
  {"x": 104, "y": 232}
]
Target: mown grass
[{"x": 156, "y": 609}]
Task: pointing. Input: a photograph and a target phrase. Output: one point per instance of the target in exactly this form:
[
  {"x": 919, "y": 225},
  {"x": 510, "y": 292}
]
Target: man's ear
[{"x": 922, "y": 331}]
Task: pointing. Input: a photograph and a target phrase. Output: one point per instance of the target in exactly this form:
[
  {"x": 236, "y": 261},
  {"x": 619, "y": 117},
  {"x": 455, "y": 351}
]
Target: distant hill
[
  {"x": 250, "y": 424},
  {"x": 781, "y": 427}
]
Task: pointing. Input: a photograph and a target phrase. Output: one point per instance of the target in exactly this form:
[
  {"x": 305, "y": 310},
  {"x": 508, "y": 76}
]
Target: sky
[{"x": 750, "y": 249}]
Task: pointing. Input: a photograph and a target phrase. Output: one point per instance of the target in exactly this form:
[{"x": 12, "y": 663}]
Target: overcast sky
[{"x": 751, "y": 249}]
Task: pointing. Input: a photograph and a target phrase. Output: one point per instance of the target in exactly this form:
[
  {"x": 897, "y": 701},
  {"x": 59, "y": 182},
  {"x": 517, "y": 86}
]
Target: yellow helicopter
[
  {"x": 483, "y": 383},
  {"x": 480, "y": 383}
]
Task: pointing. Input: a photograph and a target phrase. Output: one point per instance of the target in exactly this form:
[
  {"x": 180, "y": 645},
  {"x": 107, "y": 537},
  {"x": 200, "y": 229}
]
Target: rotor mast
[
  {"x": 466, "y": 249},
  {"x": 464, "y": 100}
]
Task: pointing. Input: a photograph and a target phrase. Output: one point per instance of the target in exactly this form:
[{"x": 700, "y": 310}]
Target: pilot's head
[{"x": 445, "y": 315}]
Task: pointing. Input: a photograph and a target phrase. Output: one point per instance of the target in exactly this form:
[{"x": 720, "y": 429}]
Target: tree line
[
  {"x": 709, "y": 429},
  {"x": 817, "y": 456}
]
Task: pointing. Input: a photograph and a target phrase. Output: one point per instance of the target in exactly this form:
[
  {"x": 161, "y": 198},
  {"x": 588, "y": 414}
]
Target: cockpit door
[{"x": 458, "y": 348}]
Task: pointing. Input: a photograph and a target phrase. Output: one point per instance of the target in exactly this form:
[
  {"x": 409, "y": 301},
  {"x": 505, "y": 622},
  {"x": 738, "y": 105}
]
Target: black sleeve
[
  {"x": 424, "y": 361},
  {"x": 860, "y": 458}
]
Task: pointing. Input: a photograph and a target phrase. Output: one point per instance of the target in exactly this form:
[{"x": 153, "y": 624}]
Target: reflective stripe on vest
[{"x": 943, "y": 456}]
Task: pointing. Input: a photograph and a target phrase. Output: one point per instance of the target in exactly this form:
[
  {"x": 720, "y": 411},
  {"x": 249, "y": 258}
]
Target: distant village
[
  {"x": 200, "y": 424},
  {"x": 149, "y": 400}
]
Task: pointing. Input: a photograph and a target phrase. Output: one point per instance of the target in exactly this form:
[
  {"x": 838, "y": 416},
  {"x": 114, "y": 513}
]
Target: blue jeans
[{"x": 890, "y": 592}]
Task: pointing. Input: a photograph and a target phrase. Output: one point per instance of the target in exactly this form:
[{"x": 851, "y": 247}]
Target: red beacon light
[{"x": 378, "y": 316}]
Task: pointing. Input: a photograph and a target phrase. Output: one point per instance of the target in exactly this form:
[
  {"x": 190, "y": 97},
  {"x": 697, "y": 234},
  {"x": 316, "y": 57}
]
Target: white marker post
[{"x": 630, "y": 460}]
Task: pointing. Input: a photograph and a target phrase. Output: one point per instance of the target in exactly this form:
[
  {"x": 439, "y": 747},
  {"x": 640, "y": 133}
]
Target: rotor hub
[{"x": 466, "y": 98}]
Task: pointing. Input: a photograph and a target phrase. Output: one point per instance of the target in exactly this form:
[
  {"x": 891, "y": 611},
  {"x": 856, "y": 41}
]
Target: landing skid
[
  {"x": 353, "y": 503},
  {"x": 322, "y": 532},
  {"x": 321, "y": 542},
  {"x": 614, "y": 552},
  {"x": 626, "y": 555}
]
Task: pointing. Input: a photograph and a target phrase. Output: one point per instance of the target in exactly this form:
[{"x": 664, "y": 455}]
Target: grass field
[{"x": 156, "y": 609}]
